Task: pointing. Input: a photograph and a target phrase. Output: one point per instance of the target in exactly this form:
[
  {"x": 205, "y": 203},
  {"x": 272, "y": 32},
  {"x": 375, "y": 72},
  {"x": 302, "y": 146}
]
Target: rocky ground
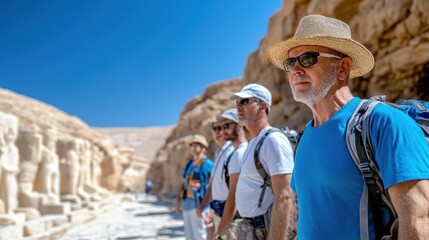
[{"x": 145, "y": 218}]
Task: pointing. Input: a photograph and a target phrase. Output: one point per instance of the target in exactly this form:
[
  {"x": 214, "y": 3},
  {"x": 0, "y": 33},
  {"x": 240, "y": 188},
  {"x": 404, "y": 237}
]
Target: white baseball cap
[
  {"x": 253, "y": 90},
  {"x": 230, "y": 114}
]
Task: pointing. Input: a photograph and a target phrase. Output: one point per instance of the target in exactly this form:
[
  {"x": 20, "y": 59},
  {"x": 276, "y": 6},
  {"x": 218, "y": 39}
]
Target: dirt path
[{"x": 146, "y": 218}]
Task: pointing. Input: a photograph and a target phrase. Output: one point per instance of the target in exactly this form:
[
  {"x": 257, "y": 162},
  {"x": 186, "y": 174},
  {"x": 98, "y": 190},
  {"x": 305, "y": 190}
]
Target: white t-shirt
[
  {"x": 236, "y": 161},
  {"x": 276, "y": 156},
  {"x": 219, "y": 187}
]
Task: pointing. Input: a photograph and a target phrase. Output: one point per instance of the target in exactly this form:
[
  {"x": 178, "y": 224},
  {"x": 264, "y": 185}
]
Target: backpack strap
[
  {"x": 359, "y": 145},
  {"x": 225, "y": 168},
  {"x": 205, "y": 172},
  {"x": 185, "y": 175},
  {"x": 260, "y": 168},
  {"x": 221, "y": 152},
  {"x": 298, "y": 139}
]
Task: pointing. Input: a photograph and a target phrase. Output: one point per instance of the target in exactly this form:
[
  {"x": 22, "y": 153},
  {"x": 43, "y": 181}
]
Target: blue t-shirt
[
  {"x": 327, "y": 181},
  {"x": 202, "y": 172}
]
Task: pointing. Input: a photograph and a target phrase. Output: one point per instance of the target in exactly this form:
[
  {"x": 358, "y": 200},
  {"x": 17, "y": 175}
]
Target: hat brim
[
  {"x": 362, "y": 59},
  {"x": 205, "y": 145},
  {"x": 224, "y": 117},
  {"x": 240, "y": 95}
]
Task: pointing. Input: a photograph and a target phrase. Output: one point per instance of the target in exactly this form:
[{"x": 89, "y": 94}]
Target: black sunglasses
[
  {"x": 305, "y": 60},
  {"x": 226, "y": 125},
  {"x": 217, "y": 128},
  {"x": 245, "y": 101}
]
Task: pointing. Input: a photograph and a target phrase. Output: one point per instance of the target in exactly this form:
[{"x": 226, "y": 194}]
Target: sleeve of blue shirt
[{"x": 400, "y": 147}]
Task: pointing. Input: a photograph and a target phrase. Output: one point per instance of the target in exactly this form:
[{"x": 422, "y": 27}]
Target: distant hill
[{"x": 146, "y": 141}]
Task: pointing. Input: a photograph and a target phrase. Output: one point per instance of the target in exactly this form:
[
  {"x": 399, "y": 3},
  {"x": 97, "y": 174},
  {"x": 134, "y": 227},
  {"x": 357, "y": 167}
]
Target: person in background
[
  {"x": 225, "y": 148},
  {"x": 149, "y": 187},
  {"x": 195, "y": 179},
  {"x": 320, "y": 60},
  {"x": 226, "y": 215},
  {"x": 265, "y": 208}
]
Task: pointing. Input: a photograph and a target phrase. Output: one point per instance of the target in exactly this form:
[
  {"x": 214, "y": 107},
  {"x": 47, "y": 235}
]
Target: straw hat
[
  {"x": 327, "y": 32},
  {"x": 196, "y": 138}
]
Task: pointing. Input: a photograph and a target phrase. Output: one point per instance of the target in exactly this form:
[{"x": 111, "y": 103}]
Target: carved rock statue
[
  {"x": 70, "y": 170},
  {"x": 9, "y": 162},
  {"x": 29, "y": 143},
  {"x": 85, "y": 196},
  {"x": 96, "y": 171},
  {"x": 87, "y": 171},
  {"x": 95, "y": 166},
  {"x": 48, "y": 177}
]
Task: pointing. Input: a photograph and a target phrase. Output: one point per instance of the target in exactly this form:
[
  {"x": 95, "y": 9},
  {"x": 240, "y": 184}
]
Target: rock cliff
[{"x": 396, "y": 33}]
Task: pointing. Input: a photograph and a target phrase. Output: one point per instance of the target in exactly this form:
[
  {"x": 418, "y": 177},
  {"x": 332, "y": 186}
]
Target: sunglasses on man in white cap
[{"x": 253, "y": 90}]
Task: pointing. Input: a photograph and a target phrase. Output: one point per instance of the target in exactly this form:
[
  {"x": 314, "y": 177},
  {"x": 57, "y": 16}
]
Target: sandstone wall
[{"x": 396, "y": 32}]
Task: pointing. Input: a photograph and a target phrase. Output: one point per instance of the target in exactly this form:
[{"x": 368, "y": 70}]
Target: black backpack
[{"x": 291, "y": 135}]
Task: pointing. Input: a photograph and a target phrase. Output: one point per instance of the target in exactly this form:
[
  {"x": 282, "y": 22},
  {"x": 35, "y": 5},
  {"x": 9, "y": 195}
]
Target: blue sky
[{"x": 126, "y": 63}]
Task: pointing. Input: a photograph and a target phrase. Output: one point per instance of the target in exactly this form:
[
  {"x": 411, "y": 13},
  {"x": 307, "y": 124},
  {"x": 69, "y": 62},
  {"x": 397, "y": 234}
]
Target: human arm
[
  {"x": 292, "y": 226},
  {"x": 229, "y": 209},
  {"x": 280, "y": 211},
  {"x": 206, "y": 200},
  {"x": 179, "y": 198},
  {"x": 402, "y": 154},
  {"x": 411, "y": 202}
]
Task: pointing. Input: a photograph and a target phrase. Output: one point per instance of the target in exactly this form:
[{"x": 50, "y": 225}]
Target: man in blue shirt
[
  {"x": 195, "y": 179},
  {"x": 319, "y": 61}
]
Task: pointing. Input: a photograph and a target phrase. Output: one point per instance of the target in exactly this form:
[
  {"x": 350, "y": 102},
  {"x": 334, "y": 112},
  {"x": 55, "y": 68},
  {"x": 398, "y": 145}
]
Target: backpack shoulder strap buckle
[{"x": 367, "y": 173}]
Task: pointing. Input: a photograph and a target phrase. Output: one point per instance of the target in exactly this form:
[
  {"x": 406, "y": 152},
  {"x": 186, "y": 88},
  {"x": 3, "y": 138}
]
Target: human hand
[
  {"x": 199, "y": 212},
  {"x": 195, "y": 184},
  {"x": 208, "y": 220},
  {"x": 178, "y": 206}
]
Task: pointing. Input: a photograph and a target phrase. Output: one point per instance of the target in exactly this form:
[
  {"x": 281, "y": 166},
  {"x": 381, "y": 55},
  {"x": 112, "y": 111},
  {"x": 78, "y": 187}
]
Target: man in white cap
[
  {"x": 196, "y": 177},
  {"x": 225, "y": 179},
  {"x": 319, "y": 61},
  {"x": 224, "y": 150},
  {"x": 264, "y": 207}
]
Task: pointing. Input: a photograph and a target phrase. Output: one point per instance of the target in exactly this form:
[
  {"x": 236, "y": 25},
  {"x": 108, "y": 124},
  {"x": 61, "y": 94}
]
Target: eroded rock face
[{"x": 397, "y": 34}]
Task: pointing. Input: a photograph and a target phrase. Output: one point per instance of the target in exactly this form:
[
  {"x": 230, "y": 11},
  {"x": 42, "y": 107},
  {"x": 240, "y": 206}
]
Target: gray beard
[{"x": 314, "y": 95}]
